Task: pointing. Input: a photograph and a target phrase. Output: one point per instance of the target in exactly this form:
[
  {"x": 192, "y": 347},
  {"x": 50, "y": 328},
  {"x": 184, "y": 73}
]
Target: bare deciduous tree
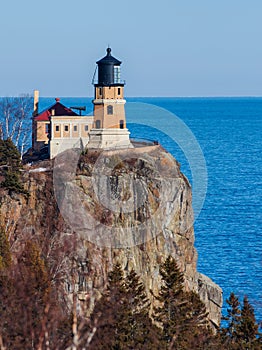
[{"x": 15, "y": 120}]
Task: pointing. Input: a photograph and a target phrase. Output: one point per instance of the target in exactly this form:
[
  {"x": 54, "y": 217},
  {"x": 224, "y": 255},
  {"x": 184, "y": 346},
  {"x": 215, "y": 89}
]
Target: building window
[
  {"x": 57, "y": 128},
  {"x": 75, "y": 127},
  {"x": 119, "y": 91},
  {"x": 66, "y": 128},
  {"x": 86, "y": 127},
  {"x": 98, "y": 124},
  {"x": 121, "y": 124},
  {"x": 110, "y": 110},
  {"x": 46, "y": 128},
  {"x": 100, "y": 91}
]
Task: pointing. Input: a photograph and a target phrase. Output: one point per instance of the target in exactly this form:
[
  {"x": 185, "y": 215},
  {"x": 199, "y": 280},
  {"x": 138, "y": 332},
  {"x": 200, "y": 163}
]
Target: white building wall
[{"x": 66, "y": 140}]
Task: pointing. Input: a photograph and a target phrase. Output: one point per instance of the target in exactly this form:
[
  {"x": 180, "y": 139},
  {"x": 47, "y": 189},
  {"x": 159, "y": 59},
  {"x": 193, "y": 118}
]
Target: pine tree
[
  {"x": 229, "y": 334},
  {"x": 172, "y": 301},
  {"x": 11, "y": 162},
  {"x": 242, "y": 330},
  {"x": 248, "y": 333},
  {"x": 139, "y": 329},
  {"x": 121, "y": 315},
  {"x": 105, "y": 317},
  {"x": 181, "y": 314},
  {"x": 9, "y": 155}
]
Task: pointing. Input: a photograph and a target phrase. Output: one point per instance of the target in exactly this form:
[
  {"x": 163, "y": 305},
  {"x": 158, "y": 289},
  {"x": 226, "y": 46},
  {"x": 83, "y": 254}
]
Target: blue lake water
[{"x": 228, "y": 230}]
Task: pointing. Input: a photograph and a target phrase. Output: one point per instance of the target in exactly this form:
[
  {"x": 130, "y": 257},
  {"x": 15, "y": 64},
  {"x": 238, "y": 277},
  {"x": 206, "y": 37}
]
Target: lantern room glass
[{"x": 116, "y": 74}]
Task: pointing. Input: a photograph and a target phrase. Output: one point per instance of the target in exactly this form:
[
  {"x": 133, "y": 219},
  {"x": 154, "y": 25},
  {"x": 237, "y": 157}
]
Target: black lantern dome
[{"x": 109, "y": 70}]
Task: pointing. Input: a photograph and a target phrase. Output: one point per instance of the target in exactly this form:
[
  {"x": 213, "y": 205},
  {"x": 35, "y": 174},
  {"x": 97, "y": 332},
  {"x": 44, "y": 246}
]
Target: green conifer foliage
[
  {"x": 181, "y": 314},
  {"x": 10, "y": 163},
  {"x": 171, "y": 298},
  {"x": 242, "y": 330},
  {"x": 139, "y": 329},
  {"x": 248, "y": 333},
  {"x": 229, "y": 334},
  {"x": 9, "y": 154},
  {"x": 121, "y": 315}
]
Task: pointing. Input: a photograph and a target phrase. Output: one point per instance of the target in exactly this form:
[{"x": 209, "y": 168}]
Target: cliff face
[{"x": 130, "y": 206}]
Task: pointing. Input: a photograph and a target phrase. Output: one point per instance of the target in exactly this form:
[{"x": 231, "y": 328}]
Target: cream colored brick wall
[
  {"x": 109, "y": 92},
  {"x": 109, "y": 121}
]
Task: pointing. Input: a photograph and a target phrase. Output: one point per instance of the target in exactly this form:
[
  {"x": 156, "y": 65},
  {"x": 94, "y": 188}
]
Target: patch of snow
[{"x": 38, "y": 170}]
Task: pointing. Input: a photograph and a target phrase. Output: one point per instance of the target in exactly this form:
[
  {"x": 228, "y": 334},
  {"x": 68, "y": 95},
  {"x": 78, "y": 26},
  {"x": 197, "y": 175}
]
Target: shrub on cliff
[
  {"x": 5, "y": 254},
  {"x": 9, "y": 155},
  {"x": 10, "y": 165}
]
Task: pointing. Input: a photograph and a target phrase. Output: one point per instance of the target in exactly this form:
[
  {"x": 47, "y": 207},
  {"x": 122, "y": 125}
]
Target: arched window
[
  {"x": 110, "y": 110},
  {"x": 121, "y": 124},
  {"x": 98, "y": 124}
]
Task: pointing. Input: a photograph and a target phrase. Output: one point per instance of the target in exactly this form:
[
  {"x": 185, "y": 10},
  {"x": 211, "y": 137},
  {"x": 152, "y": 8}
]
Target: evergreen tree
[
  {"x": 181, "y": 314},
  {"x": 229, "y": 334},
  {"x": 171, "y": 298},
  {"x": 242, "y": 330},
  {"x": 9, "y": 155},
  {"x": 11, "y": 166},
  {"x": 139, "y": 329},
  {"x": 248, "y": 333},
  {"x": 121, "y": 315},
  {"x": 105, "y": 317}
]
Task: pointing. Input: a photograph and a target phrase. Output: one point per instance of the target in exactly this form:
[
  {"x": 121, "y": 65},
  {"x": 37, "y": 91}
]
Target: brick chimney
[{"x": 36, "y": 102}]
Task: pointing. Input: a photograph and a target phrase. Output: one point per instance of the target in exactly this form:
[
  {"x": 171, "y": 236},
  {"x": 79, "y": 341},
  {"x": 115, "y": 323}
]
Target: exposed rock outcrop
[{"x": 132, "y": 206}]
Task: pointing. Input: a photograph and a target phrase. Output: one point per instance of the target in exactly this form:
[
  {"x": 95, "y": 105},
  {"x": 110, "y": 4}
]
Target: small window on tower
[
  {"x": 75, "y": 127},
  {"x": 119, "y": 91},
  {"x": 66, "y": 128},
  {"x": 57, "y": 128},
  {"x": 47, "y": 128},
  {"x": 86, "y": 127},
  {"x": 100, "y": 91},
  {"x": 110, "y": 110}
]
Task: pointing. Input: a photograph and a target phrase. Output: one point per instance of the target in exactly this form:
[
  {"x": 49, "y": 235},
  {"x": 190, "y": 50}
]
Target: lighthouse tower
[{"x": 109, "y": 126}]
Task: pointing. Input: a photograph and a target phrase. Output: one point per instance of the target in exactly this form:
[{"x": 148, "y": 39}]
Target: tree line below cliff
[{"x": 35, "y": 315}]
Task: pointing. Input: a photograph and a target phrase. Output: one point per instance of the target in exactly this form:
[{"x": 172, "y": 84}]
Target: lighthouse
[{"x": 109, "y": 124}]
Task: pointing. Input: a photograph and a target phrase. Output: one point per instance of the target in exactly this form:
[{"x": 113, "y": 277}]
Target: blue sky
[{"x": 168, "y": 47}]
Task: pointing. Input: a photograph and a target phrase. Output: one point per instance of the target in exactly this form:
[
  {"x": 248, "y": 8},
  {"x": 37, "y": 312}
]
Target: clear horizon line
[
  {"x": 182, "y": 96},
  {"x": 154, "y": 96}
]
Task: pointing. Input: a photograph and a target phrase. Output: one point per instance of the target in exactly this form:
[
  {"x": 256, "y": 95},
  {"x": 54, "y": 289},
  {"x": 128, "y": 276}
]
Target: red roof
[{"x": 60, "y": 110}]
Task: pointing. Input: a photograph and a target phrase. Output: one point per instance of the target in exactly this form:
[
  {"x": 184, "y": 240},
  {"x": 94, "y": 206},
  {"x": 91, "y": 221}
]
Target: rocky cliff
[{"x": 89, "y": 211}]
